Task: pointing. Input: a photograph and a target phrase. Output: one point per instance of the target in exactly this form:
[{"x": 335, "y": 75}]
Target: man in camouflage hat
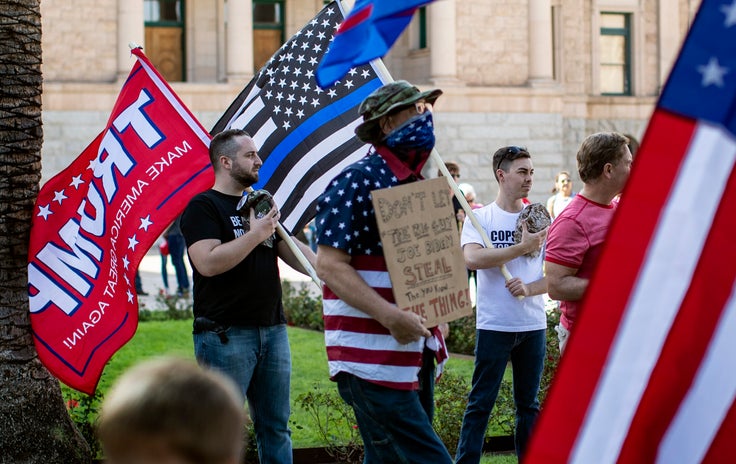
[{"x": 382, "y": 358}]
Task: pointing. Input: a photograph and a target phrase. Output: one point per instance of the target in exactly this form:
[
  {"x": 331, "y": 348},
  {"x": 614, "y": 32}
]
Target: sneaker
[{"x": 142, "y": 293}]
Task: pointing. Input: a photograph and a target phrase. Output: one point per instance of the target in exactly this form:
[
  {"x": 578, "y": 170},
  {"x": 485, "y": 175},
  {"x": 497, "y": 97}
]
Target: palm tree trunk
[{"x": 34, "y": 424}]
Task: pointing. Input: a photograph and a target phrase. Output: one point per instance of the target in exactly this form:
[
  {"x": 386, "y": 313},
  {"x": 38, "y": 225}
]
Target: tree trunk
[{"x": 34, "y": 424}]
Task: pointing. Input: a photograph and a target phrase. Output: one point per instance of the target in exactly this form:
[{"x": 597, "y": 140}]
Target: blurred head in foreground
[{"x": 172, "y": 411}]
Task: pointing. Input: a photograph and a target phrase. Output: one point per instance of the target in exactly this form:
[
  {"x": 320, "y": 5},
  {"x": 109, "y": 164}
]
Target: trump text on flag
[{"x": 96, "y": 219}]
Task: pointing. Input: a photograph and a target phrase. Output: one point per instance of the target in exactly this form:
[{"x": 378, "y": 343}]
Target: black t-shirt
[{"x": 248, "y": 294}]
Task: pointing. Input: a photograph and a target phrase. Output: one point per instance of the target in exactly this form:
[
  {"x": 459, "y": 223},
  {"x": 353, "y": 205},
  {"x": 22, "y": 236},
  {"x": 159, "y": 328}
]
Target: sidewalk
[{"x": 153, "y": 284}]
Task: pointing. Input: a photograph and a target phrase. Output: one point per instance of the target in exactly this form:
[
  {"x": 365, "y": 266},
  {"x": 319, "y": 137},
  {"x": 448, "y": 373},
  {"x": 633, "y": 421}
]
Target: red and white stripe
[
  {"x": 648, "y": 375},
  {"x": 358, "y": 344}
]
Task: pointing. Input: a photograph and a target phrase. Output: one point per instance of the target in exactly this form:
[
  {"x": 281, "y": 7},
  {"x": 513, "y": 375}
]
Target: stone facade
[{"x": 490, "y": 97}]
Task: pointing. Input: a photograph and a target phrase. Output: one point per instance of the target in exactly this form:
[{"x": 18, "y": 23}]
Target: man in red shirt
[{"x": 576, "y": 236}]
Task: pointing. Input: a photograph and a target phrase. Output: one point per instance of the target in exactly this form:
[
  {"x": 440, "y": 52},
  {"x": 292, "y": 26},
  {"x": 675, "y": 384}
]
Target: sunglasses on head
[{"x": 510, "y": 153}]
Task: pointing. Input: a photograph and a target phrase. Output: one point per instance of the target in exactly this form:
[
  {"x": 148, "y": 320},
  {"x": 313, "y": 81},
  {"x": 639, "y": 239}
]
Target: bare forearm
[
  {"x": 211, "y": 258},
  {"x": 568, "y": 288},
  {"x": 347, "y": 284},
  {"x": 486, "y": 258},
  {"x": 537, "y": 287}
]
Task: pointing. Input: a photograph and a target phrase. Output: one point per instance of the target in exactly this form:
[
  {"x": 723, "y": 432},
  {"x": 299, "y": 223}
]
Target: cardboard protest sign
[{"x": 421, "y": 245}]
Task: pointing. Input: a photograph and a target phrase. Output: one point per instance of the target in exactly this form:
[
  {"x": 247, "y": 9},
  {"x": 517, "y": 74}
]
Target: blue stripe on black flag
[
  {"x": 323, "y": 120},
  {"x": 303, "y": 131}
]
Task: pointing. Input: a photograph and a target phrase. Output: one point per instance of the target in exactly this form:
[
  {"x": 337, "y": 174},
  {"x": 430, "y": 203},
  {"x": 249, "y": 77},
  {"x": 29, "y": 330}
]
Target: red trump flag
[
  {"x": 649, "y": 373},
  {"x": 95, "y": 220}
]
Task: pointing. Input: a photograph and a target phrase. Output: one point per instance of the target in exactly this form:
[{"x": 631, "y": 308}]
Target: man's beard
[{"x": 244, "y": 178}]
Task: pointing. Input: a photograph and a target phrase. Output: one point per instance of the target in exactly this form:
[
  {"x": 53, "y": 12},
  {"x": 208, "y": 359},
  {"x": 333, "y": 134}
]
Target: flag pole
[
  {"x": 298, "y": 253},
  {"x": 386, "y": 77}
]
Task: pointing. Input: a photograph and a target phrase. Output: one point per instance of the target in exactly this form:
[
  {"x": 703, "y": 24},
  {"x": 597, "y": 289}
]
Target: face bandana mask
[{"x": 417, "y": 133}]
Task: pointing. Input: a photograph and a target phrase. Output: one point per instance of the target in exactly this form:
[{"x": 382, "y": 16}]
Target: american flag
[
  {"x": 649, "y": 375},
  {"x": 305, "y": 134}
]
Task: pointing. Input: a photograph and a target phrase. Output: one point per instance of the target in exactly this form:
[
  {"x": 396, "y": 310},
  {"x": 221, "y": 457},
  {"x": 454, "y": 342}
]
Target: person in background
[
  {"x": 576, "y": 236},
  {"x": 175, "y": 241},
  {"x": 469, "y": 193},
  {"x": 382, "y": 358},
  {"x": 163, "y": 251},
  {"x": 239, "y": 325},
  {"x": 310, "y": 232},
  {"x": 454, "y": 170},
  {"x": 139, "y": 284},
  {"x": 511, "y": 323},
  {"x": 561, "y": 194},
  {"x": 171, "y": 411}
]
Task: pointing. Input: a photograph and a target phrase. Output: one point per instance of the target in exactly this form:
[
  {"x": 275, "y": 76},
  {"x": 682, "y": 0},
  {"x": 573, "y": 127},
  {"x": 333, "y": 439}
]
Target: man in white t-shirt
[{"x": 508, "y": 328}]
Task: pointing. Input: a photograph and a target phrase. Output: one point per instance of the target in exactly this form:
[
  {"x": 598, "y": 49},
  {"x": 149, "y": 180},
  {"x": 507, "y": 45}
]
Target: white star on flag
[
  {"x": 730, "y": 12},
  {"x": 712, "y": 73},
  {"x": 145, "y": 223},
  {"x": 76, "y": 181},
  {"x": 44, "y": 211},
  {"x": 59, "y": 196}
]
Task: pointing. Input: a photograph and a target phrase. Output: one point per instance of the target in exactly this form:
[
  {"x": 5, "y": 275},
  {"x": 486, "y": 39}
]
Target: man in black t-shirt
[{"x": 239, "y": 325}]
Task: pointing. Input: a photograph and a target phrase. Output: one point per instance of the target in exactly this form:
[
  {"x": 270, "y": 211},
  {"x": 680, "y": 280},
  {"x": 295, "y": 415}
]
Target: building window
[
  {"x": 422, "y": 19},
  {"x": 164, "y": 36},
  {"x": 268, "y": 30},
  {"x": 615, "y": 54},
  {"x": 417, "y": 30}
]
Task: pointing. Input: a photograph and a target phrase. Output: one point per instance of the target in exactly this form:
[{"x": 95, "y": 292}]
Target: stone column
[
  {"x": 130, "y": 29},
  {"x": 670, "y": 37},
  {"x": 239, "y": 41},
  {"x": 442, "y": 27},
  {"x": 540, "y": 42}
]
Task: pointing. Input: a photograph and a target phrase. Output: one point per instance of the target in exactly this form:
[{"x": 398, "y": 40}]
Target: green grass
[{"x": 309, "y": 368}]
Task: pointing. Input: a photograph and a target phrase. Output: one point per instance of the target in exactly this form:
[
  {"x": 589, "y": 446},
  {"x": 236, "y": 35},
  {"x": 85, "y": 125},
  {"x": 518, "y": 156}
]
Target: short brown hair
[
  {"x": 505, "y": 154},
  {"x": 452, "y": 167},
  {"x": 224, "y": 143},
  {"x": 596, "y": 151}
]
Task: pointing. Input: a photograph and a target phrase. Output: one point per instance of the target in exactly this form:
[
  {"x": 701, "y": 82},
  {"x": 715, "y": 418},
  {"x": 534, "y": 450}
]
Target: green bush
[
  {"x": 451, "y": 398},
  {"x": 301, "y": 307},
  {"x": 462, "y": 335},
  {"x": 335, "y": 423},
  {"x": 168, "y": 307}
]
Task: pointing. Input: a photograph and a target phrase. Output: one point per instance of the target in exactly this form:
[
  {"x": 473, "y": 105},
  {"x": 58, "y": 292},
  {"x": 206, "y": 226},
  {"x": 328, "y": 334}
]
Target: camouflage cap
[{"x": 385, "y": 100}]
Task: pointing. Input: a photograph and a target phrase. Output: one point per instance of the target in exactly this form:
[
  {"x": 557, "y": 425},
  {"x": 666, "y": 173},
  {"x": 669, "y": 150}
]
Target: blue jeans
[
  {"x": 493, "y": 349},
  {"x": 164, "y": 272},
  {"x": 259, "y": 360},
  {"x": 392, "y": 423},
  {"x": 176, "y": 251}
]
